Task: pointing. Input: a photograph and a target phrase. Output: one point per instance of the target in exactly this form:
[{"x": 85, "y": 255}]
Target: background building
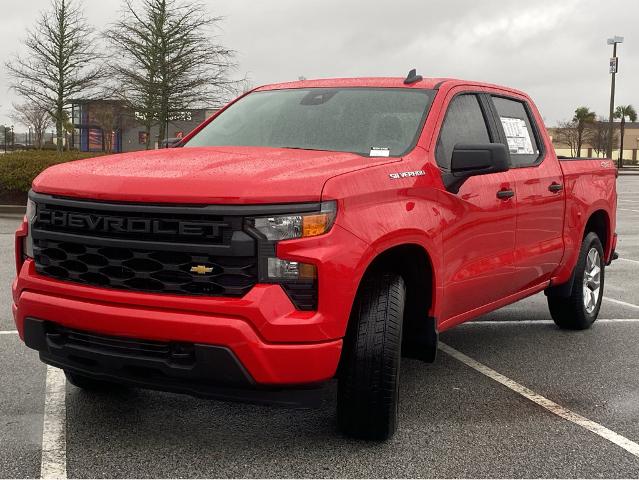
[
  {"x": 108, "y": 125},
  {"x": 592, "y": 148}
]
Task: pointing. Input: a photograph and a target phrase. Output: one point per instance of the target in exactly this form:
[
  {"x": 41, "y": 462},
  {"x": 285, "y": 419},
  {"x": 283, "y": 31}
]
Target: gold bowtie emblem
[{"x": 201, "y": 269}]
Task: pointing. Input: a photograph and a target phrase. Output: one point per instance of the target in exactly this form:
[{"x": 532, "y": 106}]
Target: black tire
[
  {"x": 570, "y": 312},
  {"x": 368, "y": 391},
  {"x": 88, "y": 383}
]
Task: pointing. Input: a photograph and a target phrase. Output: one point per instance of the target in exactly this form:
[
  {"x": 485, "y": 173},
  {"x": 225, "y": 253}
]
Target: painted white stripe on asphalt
[
  {"x": 8, "y": 332},
  {"x": 628, "y": 210},
  {"x": 628, "y": 260},
  {"x": 597, "y": 429},
  {"x": 619, "y": 302},
  {"x": 544, "y": 322},
  {"x": 54, "y": 437}
]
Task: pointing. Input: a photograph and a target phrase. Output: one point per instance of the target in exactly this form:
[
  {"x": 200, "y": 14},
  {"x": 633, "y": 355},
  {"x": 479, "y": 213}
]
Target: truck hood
[{"x": 203, "y": 175}]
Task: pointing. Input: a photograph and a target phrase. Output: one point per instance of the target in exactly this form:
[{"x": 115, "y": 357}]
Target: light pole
[{"x": 614, "y": 68}]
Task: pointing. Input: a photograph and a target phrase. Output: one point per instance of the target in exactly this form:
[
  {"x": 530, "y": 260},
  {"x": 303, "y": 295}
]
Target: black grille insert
[{"x": 138, "y": 269}]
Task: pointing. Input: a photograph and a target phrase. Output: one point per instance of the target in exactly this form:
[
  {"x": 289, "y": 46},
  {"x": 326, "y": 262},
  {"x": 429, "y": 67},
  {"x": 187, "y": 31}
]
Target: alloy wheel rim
[{"x": 592, "y": 280}]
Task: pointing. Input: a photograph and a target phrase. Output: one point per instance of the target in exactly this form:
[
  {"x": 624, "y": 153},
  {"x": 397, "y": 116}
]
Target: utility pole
[{"x": 614, "y": 68}]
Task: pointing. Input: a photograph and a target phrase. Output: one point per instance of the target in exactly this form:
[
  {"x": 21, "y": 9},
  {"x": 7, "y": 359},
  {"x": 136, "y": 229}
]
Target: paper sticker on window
[
  {"x": 379, "y": 152},
  {"x": 519, "y": 142}
]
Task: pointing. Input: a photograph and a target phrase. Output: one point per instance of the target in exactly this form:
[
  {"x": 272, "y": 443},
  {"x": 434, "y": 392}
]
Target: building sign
[{"x": 186, "y": 116}]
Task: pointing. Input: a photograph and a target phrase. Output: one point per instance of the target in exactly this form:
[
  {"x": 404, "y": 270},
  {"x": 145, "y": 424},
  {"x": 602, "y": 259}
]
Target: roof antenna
[{"x": 412, "y": 77}]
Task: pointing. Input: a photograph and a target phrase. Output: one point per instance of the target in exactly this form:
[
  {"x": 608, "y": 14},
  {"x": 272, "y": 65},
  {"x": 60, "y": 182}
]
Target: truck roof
[{"x": 382, "y": 82}]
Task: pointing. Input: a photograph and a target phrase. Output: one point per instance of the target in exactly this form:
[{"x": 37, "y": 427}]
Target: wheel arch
[
  {"x": 415, "y": 264},
  {"x": 599, "y": 223}
]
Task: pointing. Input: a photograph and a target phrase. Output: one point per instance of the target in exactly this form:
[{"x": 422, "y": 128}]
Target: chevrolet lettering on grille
[{"x": 115, "y": 224}]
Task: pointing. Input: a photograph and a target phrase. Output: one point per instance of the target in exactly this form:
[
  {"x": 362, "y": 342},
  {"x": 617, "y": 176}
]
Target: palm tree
[
  {"x": 622, "y": 112},
  {"x": 583, "y": 117}
]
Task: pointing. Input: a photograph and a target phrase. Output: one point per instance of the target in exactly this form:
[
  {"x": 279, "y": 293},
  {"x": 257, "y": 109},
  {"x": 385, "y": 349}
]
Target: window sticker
[
  {"x": 380, "y": 152},
  {"x": 519, "y": 142}
]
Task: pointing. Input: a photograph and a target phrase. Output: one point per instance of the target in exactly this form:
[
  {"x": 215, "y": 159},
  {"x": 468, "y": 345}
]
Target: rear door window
[
  {"x": 518, "y": 130},
  {"x": 464, "y": 123}
]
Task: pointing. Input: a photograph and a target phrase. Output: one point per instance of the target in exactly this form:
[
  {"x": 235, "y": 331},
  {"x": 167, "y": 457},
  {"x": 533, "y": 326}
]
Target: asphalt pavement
[{"x": 455, "y": 420}]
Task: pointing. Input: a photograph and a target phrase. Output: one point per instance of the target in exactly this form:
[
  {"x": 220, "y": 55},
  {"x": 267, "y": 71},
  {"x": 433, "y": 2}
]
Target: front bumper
[
  {"x": 274, "y": 343},
  {"x": 166, "y": 318},
  {"x": 197, "y": 369}
]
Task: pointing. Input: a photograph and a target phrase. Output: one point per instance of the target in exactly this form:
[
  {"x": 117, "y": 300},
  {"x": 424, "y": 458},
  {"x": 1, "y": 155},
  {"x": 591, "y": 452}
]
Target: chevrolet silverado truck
[{"x": 310, "y": 231}]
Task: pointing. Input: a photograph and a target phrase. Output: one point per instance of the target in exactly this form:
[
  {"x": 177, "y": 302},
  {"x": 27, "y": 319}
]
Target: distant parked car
[{"x": 169, "y": 143}]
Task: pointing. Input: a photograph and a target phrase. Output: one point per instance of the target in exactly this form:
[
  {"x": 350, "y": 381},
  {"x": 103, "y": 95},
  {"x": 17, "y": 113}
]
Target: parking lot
[{"x": 456, "y": 419}]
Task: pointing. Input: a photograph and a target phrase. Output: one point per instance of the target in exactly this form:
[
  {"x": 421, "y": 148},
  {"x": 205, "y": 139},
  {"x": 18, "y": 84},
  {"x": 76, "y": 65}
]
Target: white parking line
[
  {"x": 8, "y": 332},
  {"x": 628, "y": 210},
  {"x": 549, "y": 405},
  {"x": 54, "y": 436},
  {"x": 628, "y": 260},
  {"x": 619, "y": 302}
]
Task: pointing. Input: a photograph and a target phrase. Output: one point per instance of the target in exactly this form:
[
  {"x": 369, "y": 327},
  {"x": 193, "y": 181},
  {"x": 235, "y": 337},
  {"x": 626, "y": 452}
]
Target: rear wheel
[
  {"x": 579, "y": 310},
  {"x": 368, "y": 391}
]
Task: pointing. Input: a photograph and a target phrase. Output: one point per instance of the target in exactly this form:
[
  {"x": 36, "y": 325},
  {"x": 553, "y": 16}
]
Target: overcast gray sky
[{"x": 553, "y": 49}]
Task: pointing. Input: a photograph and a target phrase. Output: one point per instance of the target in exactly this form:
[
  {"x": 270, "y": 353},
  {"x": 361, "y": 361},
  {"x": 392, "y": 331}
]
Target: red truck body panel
[{"x": 484, "y": 252}]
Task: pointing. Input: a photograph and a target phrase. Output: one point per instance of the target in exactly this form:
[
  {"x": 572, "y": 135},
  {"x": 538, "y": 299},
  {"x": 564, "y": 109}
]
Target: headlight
[
  {"x": 286, "y": 227},
  {"x": 27, "y": 245}
]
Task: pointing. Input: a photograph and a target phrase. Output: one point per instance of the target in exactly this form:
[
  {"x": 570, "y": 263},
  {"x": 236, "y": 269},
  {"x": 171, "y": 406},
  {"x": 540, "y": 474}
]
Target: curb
[{"x": 13, "y": 209}]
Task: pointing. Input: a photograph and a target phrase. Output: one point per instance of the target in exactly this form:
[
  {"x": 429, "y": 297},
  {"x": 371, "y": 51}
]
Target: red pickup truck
[{"x": 309, "y": 231}]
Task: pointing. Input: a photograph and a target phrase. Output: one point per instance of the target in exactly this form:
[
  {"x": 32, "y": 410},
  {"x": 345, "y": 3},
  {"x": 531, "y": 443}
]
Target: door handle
[
  {"x": 505, "y": 194},
  {"x": 555, "y": 187}
]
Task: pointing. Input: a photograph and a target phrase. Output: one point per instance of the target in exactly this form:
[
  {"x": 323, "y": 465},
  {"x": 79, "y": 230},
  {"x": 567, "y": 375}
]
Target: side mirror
[{"x": 469, "y": 160}]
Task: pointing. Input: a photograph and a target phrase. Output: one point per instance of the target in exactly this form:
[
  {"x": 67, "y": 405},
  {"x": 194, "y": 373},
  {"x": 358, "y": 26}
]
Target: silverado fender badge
[
  {"x": 416, "y": 173},
  {"x": 201, "y": 269}
]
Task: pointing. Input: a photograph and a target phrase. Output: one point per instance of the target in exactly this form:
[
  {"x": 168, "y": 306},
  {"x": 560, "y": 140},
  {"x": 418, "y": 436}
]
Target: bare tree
[
  {"x": 59, "y": 62},
  {"x": 32, "y": 115},
  {"x": 567, "y": 134},
  {"x": 597, "y": 135},
  {"x": 168, "y": 61}
]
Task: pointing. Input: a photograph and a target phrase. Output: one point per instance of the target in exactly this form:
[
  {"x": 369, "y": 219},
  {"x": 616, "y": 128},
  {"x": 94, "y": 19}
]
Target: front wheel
[
  {"x": 368, "y": 389},
  {"x": 579, "y": 310}
]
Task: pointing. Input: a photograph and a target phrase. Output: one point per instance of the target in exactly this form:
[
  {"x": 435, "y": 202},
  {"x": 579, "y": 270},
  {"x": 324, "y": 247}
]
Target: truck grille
[
  {"x": 145, "y": 270},
  {"x": 146, "y": 248}
]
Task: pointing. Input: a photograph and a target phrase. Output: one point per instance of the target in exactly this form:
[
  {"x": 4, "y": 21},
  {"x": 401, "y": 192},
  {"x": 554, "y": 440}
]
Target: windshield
[{"x": 367, "y": 121}]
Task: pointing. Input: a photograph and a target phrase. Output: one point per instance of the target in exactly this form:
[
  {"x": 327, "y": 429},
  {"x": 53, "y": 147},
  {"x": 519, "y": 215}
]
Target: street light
[{"x": 614, "y": 68}]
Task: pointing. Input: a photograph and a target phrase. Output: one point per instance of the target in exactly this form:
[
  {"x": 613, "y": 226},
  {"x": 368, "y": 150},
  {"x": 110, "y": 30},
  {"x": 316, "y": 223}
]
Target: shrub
[{"x": 18, "y": 169}]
